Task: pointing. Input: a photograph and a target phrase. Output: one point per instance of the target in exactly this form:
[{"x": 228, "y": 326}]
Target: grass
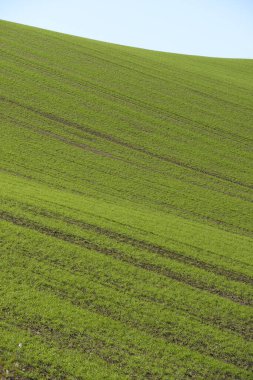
[{"x": 126, "y": 204}]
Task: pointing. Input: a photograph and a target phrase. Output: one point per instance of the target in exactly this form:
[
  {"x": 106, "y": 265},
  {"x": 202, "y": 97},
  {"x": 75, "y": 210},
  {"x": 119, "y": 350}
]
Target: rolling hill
[{"x": 126, "y": 205}]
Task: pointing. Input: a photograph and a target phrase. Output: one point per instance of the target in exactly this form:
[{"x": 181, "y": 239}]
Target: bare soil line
[
  {"x": 210, "y": 320},
  {"x": 78, "y": 341},
  {"x": 86, "y": 343},
  {"x": 111, "y": 93},
  {"x": 119, "y": 255},
  {"x": 230, "y": 275},
  {"x": 161, "y": 251},
  {"x": 144, "y": 167},
  {"x": 168, "y": 336},
  {"x": 125, "y": 144}
]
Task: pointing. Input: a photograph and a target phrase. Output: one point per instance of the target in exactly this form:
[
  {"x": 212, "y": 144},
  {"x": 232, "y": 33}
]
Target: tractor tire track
[
  {"x": 119, "y": 255},
  {"x": 126, "y": 144}
]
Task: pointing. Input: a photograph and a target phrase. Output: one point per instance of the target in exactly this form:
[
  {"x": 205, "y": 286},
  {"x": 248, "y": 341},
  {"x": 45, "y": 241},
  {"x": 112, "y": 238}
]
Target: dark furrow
[
  {"x": 175, "y": 255},
  {"x": 41, "y": 330},
  {"x": 111, "y": 283},
  {"x": 223, "y": 224},
  {"x": 144, "y": 245},
  {"x": 132, "y": 290},
  {"x": 111, "y": 93},
  {"x": 87, "y": 343},
  {"x": 153, "y": 331},
  {"x": 15, "y": 374},
  {"x": 117, "y": 141},
  {"x": 83, "y": 343},
  {"x": 184, "y": 213},
  {"x": 118, "y": 255},
  {"x": 100, "y": 152},
  {"x": 171, "y": 116}
]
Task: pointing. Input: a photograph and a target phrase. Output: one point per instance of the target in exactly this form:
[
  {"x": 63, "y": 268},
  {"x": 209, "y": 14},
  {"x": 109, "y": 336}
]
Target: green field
[{"x": 126, "y": 205}]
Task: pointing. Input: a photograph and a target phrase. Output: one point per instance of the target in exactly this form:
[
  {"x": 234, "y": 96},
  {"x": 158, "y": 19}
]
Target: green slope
[{"x": 126, "y": 204}]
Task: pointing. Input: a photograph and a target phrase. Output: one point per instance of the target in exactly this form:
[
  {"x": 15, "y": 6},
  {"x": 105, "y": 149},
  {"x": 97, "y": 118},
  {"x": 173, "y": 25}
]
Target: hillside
[{"x": 126, "y": 205}]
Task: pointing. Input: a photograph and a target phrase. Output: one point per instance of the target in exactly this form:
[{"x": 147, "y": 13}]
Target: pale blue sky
[{"x": 222, "y": 28}]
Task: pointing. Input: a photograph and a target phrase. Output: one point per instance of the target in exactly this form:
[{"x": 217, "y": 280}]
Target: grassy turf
[{"x": 126, "y": 203}]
